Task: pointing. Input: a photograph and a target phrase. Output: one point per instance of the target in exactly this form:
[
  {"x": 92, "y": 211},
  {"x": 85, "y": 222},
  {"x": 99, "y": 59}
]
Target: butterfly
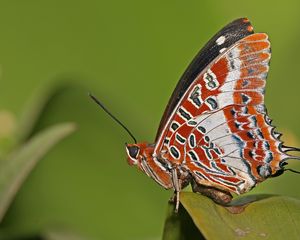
[{"x": 215, "y": 133}]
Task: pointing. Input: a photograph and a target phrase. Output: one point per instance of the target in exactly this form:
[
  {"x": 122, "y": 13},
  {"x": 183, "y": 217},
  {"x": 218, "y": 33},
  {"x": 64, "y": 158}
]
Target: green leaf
[
  {"x": 15, "y": 168},
  {"x": 180, "y": 226},
  {"x": 35, "y": 107},
  {"x": 260, "y": 217}
]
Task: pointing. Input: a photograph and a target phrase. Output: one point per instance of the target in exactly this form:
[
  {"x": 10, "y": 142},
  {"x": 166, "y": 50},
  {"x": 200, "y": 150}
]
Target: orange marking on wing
[
  {"x": 221, "y": 165},
  {"x": 246, "y": 20},
  {"x": 219, "y": 68},
  {"x": 251, "y": 47},
  {"x": 231, "y": 179},
  {"x": 252, "y": 83},
  {"x": 261, "y": 152},
  {"x": 203, "y": 107},
  {"x": 265, "y": 131},
  {"x": 241, "y": 120},
  {"x": 201, "y": 155},
  {"x": 209, "y": 176},
  {"x": 253, "y": 70},
  {"x": 250, "y": 28},
  {"x": 256, "y": 98},
  {"x": 274, "y": 164},
  {"x": 184, "y": 131},
  {"x": 260, "y": 120},
  {"x": 191, "y": 108},
  {"x": 255, "y": 58},
  {"x": 256, "y": 37},
  {"x": 246, "y": 155},
  {"x": 243, "y": 135},
  {"x": 232, "y": 126},
  {"x": 179, "y": 119},
  {"x": 272, "y": 142}
]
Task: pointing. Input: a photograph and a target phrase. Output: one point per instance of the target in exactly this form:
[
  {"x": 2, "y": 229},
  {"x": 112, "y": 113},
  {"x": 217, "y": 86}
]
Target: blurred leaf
[
  {"x": 51, "y": 234},
  {"x": 180, "y": 226},
  {"x": 7, "y": 123},
  {"x": 7, "y": 131},
  {"x": 267, "y": 217},
  {"x": 35, "y": 108},
  {"x": 15, "y": 168},
  {"x": 61, "y": 235}
]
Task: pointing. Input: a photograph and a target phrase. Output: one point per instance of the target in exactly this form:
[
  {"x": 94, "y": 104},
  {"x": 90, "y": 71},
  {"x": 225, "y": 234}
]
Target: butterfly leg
[
  {"x": 218, "y": 196},
  {"x": 177, "y": 188}
]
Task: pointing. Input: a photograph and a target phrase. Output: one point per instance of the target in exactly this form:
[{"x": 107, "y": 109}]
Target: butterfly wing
[
  {"x": 232, "y": 32},
  {"x": 219, "y": 129}
]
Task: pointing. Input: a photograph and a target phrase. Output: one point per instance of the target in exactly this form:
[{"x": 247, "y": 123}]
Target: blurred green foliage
[{"x": 130, "y": 54}]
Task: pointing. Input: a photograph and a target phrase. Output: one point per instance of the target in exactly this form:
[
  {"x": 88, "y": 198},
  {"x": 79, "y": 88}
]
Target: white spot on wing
[
  {"x": 224, "y": 140},
  {"x": 222, "y": 50},
  {"x": 213, "y": 120},
  {"x": 235, "y": 162},
  {"x": 220, "y": 40},
  {"x": 234, "y": 64},
  {"x": 218, "y": 133},
  {"x": 234, "y": 53},
  {"x": 225, "y": 99},
  {"x": 228, "y": 86}
]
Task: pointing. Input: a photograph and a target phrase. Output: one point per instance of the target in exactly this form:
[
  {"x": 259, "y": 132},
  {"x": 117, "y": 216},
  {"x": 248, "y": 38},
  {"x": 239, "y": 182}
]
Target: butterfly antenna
[
  {"x": 292, "y": 170},
  {"x": 112, "y": 116}
]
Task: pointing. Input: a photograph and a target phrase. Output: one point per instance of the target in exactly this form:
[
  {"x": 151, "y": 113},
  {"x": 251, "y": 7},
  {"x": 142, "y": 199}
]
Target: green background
[{"x": 130, "y": 54}]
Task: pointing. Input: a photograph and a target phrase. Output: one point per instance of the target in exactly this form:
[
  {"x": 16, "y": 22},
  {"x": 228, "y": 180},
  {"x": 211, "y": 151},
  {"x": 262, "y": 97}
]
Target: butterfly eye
[{"x": 133, "y": 151}]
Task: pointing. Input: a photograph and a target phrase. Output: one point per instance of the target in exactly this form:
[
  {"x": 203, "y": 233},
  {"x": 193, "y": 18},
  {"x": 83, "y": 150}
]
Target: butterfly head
[{"x": 133, "y": 152}]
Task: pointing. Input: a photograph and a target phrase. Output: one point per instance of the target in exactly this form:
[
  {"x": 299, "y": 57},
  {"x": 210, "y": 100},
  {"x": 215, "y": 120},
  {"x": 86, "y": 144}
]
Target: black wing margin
[{"x": 232, "y": 32}]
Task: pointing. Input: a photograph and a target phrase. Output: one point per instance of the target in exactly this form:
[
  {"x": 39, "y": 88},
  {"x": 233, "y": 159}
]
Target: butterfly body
[{"x": 215, "y": 132}]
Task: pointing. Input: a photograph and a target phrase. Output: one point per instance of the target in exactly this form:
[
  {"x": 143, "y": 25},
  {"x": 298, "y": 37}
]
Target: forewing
[{"x": 225, "y": 38}]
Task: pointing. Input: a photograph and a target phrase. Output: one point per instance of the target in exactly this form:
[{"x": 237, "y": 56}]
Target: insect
[{"x": 215, "y": 133}]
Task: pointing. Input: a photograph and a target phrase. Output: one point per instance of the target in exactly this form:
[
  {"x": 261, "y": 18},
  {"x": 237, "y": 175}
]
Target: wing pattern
[
  {"x": 219, "y": 130},
  {"x": 232, "y": 32}
]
